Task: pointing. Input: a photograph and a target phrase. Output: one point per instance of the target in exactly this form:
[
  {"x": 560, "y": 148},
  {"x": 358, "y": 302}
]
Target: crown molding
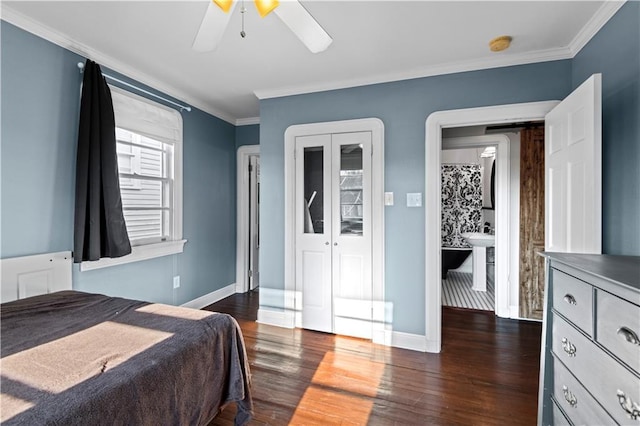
[
  {"x": 497, "y": 61},
  {"x": 595, "y": 24},
  {"x": 34, "y": 27},
  {"x": 247, "y": 121},
  {"x": 597, "y": 21}
]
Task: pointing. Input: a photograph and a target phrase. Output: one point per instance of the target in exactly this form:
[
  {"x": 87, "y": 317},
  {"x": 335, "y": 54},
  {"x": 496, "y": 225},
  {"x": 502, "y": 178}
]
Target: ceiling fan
[{"x": 291, "y": 12}]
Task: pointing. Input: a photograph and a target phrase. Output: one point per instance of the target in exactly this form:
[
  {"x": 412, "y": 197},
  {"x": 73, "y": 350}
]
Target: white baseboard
[
  {"x": 277, "y": 318},
  {"x": 212, "y": 297},
  {"x": 414, "y": 342}
]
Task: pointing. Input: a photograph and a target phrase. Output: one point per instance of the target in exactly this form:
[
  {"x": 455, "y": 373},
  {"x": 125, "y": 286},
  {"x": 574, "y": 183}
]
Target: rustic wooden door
[{"x": 532, "y": 210}]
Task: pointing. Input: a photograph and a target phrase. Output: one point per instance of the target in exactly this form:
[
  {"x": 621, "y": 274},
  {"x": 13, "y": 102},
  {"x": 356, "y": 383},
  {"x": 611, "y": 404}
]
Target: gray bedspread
[{"x": 72, "y": 358}]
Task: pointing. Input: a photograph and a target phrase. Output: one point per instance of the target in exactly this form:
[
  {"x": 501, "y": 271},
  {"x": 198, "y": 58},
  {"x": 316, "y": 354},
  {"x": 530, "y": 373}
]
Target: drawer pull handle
[
  {"x": 568, "y": 347},
  {"x": 628, "y": 335},
  {"x": 570, "y": 299},
  {"x": 569, "y": 397},
  {"x": 631, "y": 408}
]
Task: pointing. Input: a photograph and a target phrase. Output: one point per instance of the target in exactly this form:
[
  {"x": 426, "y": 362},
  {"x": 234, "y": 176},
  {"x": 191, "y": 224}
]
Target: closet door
[
  {"x": 351, "y": 233},
  {"x": 334, "y": 232},
  {"x": 313, "y": 231}
]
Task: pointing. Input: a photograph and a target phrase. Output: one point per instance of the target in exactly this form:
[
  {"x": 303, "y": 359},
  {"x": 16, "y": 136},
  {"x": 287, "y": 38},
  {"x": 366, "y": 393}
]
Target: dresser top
[{"x": 619, "y": 269}]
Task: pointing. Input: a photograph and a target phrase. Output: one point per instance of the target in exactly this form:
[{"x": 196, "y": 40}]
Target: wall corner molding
[
  {"x": 595, "y": 24},
  {"x": 247, "y": 121}
]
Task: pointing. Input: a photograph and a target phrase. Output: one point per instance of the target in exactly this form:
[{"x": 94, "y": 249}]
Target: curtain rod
[{"x": 139, "y": 89}]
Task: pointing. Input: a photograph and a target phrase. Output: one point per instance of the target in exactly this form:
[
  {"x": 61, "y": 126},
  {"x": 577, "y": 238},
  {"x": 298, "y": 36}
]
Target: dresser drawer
[
  {"x": 574, "y": 399},
  {"x": 608, "y": 381},
  {"x": 558, "y": 418},
  {"x": 618, "y": 328},
  {"x": 573, "y": 298}
]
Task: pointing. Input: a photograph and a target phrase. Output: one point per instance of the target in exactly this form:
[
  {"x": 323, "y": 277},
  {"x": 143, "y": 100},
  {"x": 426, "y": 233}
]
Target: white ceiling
[{"x": 373, "y": 41}]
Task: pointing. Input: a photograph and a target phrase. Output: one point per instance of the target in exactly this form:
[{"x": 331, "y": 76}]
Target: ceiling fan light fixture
[
  {"x": 225, "y": 5},
  {"x": 303, "y": 25},
  {"x": 265, "y": 7}
]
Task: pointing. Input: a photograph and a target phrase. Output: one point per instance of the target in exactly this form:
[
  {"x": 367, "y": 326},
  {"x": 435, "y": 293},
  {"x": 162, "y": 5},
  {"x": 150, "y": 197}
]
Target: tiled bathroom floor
[{"x": 457, "y": 292}]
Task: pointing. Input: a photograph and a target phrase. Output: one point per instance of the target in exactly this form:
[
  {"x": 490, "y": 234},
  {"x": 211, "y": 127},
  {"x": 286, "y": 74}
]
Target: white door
[
  {"x": 351, "y": 233},
  {"x": 333, "y": 232},
  {"x": 573, "y": 158},
  {"x": 313, "y": 230},
  {"x": 254, "y": 221}
]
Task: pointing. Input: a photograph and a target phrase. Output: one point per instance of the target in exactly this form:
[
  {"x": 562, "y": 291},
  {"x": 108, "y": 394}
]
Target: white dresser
[{"x": 590, "y": 356}]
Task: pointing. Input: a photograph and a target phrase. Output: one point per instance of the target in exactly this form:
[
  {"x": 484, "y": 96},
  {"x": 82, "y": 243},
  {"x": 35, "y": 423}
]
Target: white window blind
[
  {"x": 149, "y": 148},
  {"x": 149, "y": 142}
]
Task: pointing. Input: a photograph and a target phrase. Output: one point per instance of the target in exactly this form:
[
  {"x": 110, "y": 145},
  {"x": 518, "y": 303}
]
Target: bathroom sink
[{"x": 478, "y": 239}]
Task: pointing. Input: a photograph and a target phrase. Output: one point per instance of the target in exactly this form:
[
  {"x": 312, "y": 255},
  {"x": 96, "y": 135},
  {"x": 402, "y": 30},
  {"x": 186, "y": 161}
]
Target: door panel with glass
[
  {"x": 333, "y": 232},
  {"x": 313, "y": 231},
  {"x": 351, "y": 236}
]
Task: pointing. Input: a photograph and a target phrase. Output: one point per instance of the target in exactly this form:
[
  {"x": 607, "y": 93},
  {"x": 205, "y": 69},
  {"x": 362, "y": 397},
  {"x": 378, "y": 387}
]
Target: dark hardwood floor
[{"x": 486, "y": 374}]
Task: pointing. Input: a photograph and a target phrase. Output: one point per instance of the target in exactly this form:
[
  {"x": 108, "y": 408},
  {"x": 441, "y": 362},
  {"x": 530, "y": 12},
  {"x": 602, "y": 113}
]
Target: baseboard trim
[
  {"x": 213, "y": 297},
  {"x": 276, "y": 318},
  {"x": 414, "y": 342}
]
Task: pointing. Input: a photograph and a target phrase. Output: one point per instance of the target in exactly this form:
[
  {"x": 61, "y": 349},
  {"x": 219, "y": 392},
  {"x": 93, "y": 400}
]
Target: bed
[{"x": 71, "y": 358}]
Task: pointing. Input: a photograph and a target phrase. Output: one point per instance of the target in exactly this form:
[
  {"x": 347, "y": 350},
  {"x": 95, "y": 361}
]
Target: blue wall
[
  {"x": 404, "y": 106},
  {"x": 615, "y": 52},
  {"x": 247, "y": 135},
  {"x": 40, "y": 104}
]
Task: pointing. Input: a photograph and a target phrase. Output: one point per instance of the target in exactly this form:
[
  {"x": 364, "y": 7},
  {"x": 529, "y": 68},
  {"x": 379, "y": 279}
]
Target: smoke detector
[{"x": 501, "y": 43}]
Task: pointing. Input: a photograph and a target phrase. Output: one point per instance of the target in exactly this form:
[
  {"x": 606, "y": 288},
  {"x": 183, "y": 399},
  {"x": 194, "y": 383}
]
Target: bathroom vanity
[{"x": 590, "y": 353}]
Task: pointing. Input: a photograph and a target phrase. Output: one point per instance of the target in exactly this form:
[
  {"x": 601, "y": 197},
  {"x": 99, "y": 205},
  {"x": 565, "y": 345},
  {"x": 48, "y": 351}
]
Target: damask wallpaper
[{"x": 461, "y": 202}]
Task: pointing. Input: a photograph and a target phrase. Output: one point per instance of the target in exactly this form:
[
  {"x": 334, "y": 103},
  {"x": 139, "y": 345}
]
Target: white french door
[{"x": 334, "y": 232}]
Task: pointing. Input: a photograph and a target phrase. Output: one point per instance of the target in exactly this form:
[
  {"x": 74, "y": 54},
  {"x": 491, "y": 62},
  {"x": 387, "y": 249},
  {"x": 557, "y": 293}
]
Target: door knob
[
  {"x": 335, "y": 244},
  {"x": 327, "y": 243}
]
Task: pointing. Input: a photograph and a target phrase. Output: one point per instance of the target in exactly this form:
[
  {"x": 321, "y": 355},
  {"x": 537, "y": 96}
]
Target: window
[
  {"x": 149, "y": 148},
  {"x": 146, "y": 186}
]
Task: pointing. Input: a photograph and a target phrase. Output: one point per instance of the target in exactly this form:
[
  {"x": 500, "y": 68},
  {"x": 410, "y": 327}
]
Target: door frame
[
  {"x": 501, "y": 114},
  {"x": 502, "y": 212},
  {"x": 242, "y": 215},
  {"x": 292, "y": 297}
]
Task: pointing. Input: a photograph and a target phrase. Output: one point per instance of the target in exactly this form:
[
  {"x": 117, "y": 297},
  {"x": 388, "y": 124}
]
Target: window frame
[{"x": 176, "y": 244}]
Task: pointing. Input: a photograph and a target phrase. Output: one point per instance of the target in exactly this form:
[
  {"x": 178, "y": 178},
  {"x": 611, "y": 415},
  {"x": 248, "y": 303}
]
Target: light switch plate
[
  {"x": 414, "y": 199},
  {"x": 388, "y": 198}
]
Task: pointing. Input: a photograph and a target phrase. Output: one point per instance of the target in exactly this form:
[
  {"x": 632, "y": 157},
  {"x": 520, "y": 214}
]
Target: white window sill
[{"x": 138, "y": 253}]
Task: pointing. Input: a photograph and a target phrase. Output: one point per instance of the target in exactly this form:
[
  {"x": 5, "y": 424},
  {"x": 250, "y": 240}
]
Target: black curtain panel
[{"x": 100, "y": 229}]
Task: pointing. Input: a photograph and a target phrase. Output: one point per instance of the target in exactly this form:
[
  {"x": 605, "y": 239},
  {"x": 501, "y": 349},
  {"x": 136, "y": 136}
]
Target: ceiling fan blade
[
  {"x": 296, "y": 17},
  {"x": 212, "y": 28}
]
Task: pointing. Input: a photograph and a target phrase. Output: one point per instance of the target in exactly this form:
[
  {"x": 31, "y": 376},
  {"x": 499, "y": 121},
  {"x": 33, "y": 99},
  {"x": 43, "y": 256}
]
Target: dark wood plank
[
  {"x": 486, "y": 374},
  {"x": 531, "y": 222}
]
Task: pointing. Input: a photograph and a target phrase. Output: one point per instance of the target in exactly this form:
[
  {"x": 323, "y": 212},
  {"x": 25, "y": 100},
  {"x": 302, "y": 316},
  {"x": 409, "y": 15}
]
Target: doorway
[
  {"x": 573, "y": 203},
  {"x": 248, "y": 218},
  {"x": 435, "y": 123},
  {"x": 491, "y": 212}
]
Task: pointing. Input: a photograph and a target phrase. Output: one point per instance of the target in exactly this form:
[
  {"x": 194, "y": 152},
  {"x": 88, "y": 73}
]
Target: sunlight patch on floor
[{"x": 343, "y": 385}]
